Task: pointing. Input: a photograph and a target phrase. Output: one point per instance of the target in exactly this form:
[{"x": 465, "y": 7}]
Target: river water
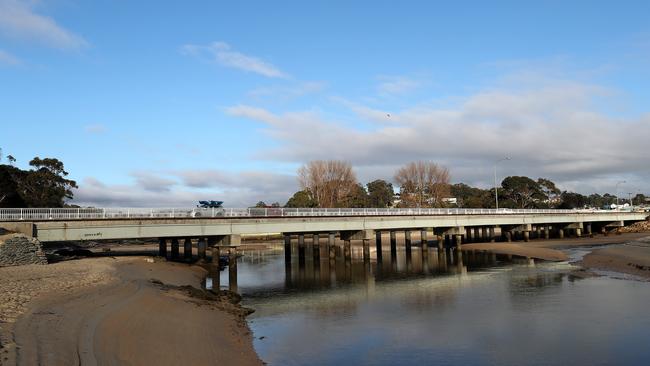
[{"x": 437, "y": 310}]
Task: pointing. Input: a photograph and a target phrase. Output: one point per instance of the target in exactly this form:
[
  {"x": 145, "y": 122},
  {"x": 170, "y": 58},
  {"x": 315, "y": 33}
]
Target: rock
[
  {"x": 637, "y": 227},
  {"x": 20, "y": 250}
]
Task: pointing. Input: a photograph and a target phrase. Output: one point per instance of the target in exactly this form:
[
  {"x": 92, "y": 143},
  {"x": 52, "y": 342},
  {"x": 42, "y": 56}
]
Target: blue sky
[{"x": 162, "y": 103}]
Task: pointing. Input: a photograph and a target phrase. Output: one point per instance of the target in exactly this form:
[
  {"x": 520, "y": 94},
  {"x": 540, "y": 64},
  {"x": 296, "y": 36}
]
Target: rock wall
[{"x": 20, "y": 250}]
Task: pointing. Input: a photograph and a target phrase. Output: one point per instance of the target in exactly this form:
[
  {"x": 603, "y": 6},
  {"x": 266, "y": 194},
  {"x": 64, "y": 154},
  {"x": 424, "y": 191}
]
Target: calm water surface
[{"x": 439, "y": 311}]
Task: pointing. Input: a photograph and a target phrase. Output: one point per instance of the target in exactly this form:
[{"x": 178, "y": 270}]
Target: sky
[{"x": 163, "y": 103}]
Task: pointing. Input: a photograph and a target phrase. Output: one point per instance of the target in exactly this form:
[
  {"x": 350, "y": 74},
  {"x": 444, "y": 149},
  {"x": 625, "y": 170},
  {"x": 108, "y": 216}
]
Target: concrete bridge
[{"x": 218, "y": 228}]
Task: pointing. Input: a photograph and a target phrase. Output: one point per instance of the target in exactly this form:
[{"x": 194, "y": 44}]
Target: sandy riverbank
[
  {"x": 108, "y": 311},
  {"x": 631, "y": 258}
]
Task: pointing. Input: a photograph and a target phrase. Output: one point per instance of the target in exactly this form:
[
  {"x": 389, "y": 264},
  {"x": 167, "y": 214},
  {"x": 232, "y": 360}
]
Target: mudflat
[
  {"x": 631, "y": 258},
  {"x": 128, "y": 310}
]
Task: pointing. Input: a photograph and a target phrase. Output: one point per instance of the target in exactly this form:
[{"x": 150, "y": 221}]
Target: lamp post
[
  {"x": 496, "y": 190},
  {"x": 617, "y": 184}
]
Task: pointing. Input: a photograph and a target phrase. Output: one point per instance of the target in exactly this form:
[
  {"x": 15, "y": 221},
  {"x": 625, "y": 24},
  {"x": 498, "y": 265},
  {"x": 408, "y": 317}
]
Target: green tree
[
  {"x": 357, "y": 198},
  {"x": 521, "y": 192},
  {"x": 9, "y": 187},
  {"x": 45, "y": 185},
  {"x": 549, "y": 189},
  {"x": 471, "y": 197},
  {"x": 380, "y": 194},
  {"x": 572, "y": 200},
  {"x": 301, "y": 199},
  {"x": 260, "y": 204}
]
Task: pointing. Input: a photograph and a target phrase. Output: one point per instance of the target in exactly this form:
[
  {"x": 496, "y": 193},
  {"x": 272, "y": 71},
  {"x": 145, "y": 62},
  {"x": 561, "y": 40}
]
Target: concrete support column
[
  {"x": 407, "y": 240},
  {"x": 187, "y": 249},
  {"x": 366, "y": 250},
  {"x": 423, "y": 239},
  {"x": 547, "y": 233},
  {"x": 201, "y": 247},
  {"x": 588, "y": 228},
  {"x": 378, "y": 244},
  {"x": 484, "y": 234},
  {"x": 459, "y": 241},
  {"x": 287, "y": 249},
  {"x": 538, "y": 231},
  {"x": 393, "y": 243},
  {"x": 216, "y": 254},
  {"x": 526, "y": 236},
  {"x": 174, "y": 248},
  {"x": 508, "y": 234},
  {"x": 468, "y": 235},
  {"x": 560, "y": 233},
  {"x": 441, "y": 242},
  {"x": 578, "y": 232},
  {"x": 331, "y": 243},
  {"x": 162, "y": 247},
  {"x": 316, "y": 247},
  {"x": 492, "y": 235},
  {"x": 232, "y": 269},
  {"x": 301, "y": 249},
  {"x": 477, "y": 235},
  {"x": 347, "y": 249}
]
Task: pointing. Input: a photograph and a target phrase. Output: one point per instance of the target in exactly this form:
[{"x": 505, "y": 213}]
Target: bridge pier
[
  {"x": 468, "y": 235},
  {"x": 287, "y": 249},
  {"x": 216, "y": 254},
  {"x": 201, "y": 248},
  {"x": 316, "y": 247},
  {"x": 560, "y": 233},
  {"x": 508, "y": 235},
  {"x": 378, "y": 245},
  {"x": 441, "y": 241},
  {"x": 187, "y": 249},
  {"x": 232, "y": 268},
  {"x": 331, "y": 245},
  {"x": 301, "y": 249},
  {"x": 477, "y": 234},
  {"x": 347, "y": 249},
  {"x": 547, "y": 233},
  {"x": 162, "y": 247},
  {"x": 588, "y": 230},
  {"x": 459, "y": 241},
  {"x": 526, "y": 235},
  {"x": 393, "y": 243},
  {"x": 366, "y": 250},
  {"x": 174, "y": 248},
  {"x": 407, "y": 240},
  {"x": 491, "y": 234}
]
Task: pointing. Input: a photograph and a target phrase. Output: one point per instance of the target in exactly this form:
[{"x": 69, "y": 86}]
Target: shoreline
[{"x": 116, "y": 310}]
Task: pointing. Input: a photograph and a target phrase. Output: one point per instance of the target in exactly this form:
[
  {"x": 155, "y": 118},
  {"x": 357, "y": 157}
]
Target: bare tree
[
  {"x": 423, "y": 184},
  {"x": 330, "y": 182}
]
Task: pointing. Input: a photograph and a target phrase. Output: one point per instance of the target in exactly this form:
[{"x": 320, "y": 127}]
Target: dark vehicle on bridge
[{"x": 209, "y": 209}]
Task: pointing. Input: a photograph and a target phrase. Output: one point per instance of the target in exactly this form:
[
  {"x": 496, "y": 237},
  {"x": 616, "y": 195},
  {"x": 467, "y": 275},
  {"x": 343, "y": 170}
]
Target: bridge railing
[{"x": 15, "y": 214}]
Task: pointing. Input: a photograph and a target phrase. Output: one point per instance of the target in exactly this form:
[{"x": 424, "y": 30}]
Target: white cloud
[
  {"x": 288, "y": 92},
  {"x": 551, "y": 131},
  {"x": 8, "y": 59},
  {"x": 396, "y": 85},
  {"x": 18, "y": 19},
  {"x": 224, "y": 55},
  {"x": 186, "y": 188}
]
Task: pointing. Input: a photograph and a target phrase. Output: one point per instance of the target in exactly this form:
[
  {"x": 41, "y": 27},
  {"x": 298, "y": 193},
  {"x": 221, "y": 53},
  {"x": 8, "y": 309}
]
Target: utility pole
[{"x": 496, "y": 190}]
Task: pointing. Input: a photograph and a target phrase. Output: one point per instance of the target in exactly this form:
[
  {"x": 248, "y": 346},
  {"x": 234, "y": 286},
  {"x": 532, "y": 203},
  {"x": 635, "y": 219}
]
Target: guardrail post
[{"x": 78, "y": 213}]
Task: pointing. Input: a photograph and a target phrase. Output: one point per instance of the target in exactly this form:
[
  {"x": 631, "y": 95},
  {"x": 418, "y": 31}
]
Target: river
[{"x": 437, "y": 310}]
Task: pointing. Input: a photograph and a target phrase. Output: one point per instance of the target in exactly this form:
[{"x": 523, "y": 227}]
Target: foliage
[
  {"x": 471, "y": 197},
  {"x": 423, "y": 184},
  {"x": 521, "y": 192},
  {"x": 45, "y": 185},
  {"x": 330, "y": 182},
  {"x": 357, "y": 198},
  {"x": 572, "y": 200},
  {"x": 301, "y": 199},
  {"x": 380, "y": 193}
]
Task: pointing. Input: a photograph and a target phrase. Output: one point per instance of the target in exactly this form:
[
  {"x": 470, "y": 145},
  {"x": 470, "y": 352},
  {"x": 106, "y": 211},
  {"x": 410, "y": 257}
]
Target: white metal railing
[{"x": 15, "y": 214}]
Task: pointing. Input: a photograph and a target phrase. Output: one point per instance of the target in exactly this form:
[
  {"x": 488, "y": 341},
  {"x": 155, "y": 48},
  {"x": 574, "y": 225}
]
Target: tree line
[
  {"x": 333, "y": 183},
  {"x": 43, "y": 185}
]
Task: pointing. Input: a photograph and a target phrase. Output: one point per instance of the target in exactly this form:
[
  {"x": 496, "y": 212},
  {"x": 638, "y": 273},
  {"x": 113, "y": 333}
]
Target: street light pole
[
  {"x": 496, "y": 190},
  {"x": 617, "y": 193}
]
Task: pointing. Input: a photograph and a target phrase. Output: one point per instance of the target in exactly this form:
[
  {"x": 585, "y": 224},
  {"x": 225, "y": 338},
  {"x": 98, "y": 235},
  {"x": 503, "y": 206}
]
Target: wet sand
[
  {"x": 550, "y": 250},
  {"x": 632, "y": 258},
  {"x": 109, "y": 311}
]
